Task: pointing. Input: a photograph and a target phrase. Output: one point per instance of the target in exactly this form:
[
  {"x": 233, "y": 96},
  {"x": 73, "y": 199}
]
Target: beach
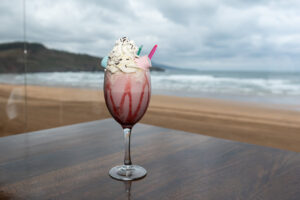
[{"x": 49, "y": 107}]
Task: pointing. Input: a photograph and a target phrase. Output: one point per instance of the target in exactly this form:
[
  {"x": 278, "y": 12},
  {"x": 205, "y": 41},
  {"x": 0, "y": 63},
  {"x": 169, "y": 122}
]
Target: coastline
[
  {"x": 49, "y": 107},
  {"x": 268, "y": 88}
]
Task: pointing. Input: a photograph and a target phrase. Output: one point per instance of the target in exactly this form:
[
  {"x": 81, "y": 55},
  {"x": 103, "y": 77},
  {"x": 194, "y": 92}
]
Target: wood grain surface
[{"x": 72, "y": 162}]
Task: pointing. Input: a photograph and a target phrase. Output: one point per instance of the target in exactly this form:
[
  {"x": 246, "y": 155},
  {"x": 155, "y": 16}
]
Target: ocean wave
[
  {"x": 194, "y": 84},
  {"x": 226, "y": 85}
]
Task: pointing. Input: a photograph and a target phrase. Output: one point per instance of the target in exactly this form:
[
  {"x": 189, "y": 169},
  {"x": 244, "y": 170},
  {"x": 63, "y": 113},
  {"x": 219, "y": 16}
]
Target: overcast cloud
[{"x": 215, "y": 34}]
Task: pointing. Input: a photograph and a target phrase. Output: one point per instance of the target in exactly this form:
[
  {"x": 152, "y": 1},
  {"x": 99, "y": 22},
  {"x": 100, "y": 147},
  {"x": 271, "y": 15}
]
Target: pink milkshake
[{"x": 127, "y": 91}]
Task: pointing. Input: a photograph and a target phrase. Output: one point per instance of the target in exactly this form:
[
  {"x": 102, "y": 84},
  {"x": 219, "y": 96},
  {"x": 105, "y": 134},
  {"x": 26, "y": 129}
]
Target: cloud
[{"x": 216, "y": 34}]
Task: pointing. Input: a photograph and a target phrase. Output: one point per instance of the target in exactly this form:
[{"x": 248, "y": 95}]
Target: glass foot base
[{"x": 127, "y": 172}]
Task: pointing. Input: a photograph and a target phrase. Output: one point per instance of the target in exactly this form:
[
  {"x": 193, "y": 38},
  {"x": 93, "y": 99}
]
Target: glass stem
[{"x": 127, "y": 158}]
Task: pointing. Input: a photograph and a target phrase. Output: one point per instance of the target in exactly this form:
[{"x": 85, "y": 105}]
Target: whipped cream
[{"x": 122, "y": 57}]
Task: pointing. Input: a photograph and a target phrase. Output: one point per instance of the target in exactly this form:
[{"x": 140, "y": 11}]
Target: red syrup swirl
[{"x": 136, "y": 91}]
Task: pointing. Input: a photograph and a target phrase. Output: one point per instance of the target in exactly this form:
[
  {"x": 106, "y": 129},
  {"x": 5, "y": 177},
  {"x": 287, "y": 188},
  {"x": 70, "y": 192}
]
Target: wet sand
[{"x": 49, "y": 107}]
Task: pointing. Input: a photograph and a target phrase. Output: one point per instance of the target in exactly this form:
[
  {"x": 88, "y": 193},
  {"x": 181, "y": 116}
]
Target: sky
[{"x": 200, "y": 34}]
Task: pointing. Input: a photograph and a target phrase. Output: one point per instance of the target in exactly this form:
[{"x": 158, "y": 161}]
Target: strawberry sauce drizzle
[
  {"x": 142, "y": 96},
  {"x": 127, "y": 92},
  {"x": 131, "y": 119},
  {"x": 111, "y": 98}
]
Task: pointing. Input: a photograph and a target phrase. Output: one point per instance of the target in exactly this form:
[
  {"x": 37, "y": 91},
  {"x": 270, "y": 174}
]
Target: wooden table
[{"x": 72, "y": 162}]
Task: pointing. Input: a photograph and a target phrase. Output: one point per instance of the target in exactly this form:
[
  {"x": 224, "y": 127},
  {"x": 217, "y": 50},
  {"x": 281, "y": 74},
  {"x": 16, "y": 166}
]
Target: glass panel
[
  {"x": 212, "y": 75},
  {"x": 64, "y": 85},
  {"x": 12, "y": 79}
]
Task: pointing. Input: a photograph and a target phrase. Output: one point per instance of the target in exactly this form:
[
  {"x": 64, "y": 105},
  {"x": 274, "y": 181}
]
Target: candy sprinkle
[
  {"x": 140, "y": 49},
  {"x": 104, "y": 61},
  {"x": 152, "y": 51}
]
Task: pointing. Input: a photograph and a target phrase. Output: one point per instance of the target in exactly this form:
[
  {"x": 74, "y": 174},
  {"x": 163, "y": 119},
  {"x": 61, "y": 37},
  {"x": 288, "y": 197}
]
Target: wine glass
[{"x": 127, "y": 97}]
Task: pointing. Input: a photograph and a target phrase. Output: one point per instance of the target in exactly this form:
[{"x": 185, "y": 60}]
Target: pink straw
[{"x": 152, "y": 51}]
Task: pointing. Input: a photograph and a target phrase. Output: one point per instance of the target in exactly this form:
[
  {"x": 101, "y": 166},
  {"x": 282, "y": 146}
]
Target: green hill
[{"x": 42, "y": 59}]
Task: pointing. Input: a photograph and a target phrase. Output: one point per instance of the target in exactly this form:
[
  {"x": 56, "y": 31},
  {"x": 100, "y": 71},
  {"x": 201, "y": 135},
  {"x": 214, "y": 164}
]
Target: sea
[{"x": 245, "y": 86}]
